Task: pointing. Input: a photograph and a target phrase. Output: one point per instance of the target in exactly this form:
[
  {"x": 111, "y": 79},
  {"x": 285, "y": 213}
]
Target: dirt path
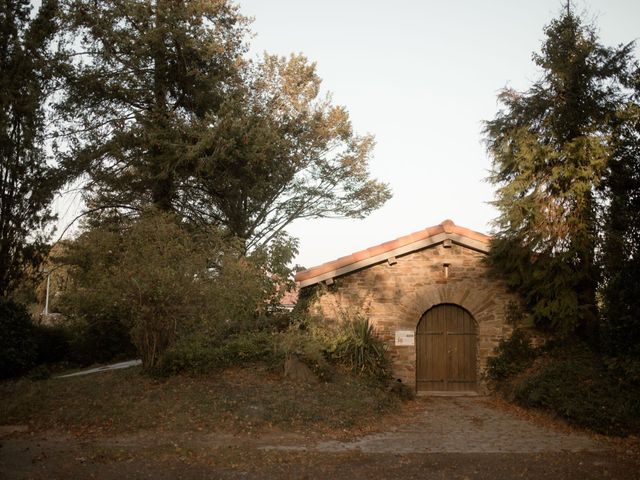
[{"x": 464, "y": 438}]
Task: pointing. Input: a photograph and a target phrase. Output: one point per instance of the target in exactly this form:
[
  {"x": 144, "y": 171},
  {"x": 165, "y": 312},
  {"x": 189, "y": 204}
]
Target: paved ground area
[
  {"x": 439, "y": 438},
  {"x": 467, "y": 425}
]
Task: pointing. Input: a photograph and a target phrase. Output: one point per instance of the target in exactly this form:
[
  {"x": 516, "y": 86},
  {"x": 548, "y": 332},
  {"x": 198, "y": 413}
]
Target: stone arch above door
[
  {"x": 480, "y": 303},
  {"x": 485, "y": 305}
]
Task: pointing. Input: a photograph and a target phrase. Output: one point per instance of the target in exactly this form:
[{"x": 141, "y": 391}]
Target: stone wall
[{"x": 395, "y": 294}]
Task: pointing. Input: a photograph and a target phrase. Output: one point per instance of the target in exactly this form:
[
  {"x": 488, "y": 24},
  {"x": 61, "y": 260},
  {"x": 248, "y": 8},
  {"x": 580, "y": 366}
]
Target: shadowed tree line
[
  {"x": 28, "y": 180},
  {"x": 157, "y": 105},
  {"x": 192, "y": 159},
  {"x": 154, "y": 107}
]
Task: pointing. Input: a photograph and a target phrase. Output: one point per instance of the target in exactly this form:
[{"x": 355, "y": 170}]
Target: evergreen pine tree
[
  {"x": 27, "y": 181},
  {"x": 144, "y": 76},
  {"x": 550, "y": 148}
]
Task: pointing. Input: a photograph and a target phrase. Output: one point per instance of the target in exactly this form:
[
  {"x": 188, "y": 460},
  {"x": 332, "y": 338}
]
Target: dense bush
[
  {"x": 513, "y": 355},
  {"x": 350, "y": 343},
  {"x": 100, "y": 337},
  {"x": 625, "y": 368},
  {"x": 248, "y": 347},
  {"x": 200, "y": 355},
  {"x": 95, "y": 315},
  {"x": 18, "y": 344},
  {"x": 321, "y": 345},
  {"x": 164, "y": 283},
  {"x": 25, "y": 345},
  {"x": 358, "y": 348},
  {"x": 574, "y": 383},
  {"x": 310, "y": 339}
]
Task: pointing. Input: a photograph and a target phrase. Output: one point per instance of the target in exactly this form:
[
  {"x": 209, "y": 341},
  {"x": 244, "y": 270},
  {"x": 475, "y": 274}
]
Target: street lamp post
[{"x": 46, "y": 297}]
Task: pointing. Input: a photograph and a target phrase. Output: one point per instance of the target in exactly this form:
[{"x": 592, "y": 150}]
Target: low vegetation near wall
[
  {"x": 226, "y": 382},
  {"x": 568, "y": 379},
  {"x": 191, "y": 305},
  {"x": 326, "y": 348}
]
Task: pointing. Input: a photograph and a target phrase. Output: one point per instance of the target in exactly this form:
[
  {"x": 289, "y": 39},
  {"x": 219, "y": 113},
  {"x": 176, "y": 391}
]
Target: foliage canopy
[
  {"x": 164, "y": 109},
  {"x": 550, "y": 148},
  {"x": 621, "y": 235},
  {"x": 163, "y": 280},
  {"x": 27, "y": 181}
]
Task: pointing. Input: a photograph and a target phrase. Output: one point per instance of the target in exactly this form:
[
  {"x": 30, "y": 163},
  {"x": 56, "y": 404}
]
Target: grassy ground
[{"x": 246, "y": 399}]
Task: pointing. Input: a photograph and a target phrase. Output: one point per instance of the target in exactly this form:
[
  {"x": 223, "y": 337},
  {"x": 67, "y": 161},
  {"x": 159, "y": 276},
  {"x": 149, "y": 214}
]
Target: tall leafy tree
[
  {"x": 146, "y": 76},
  {"x": 278, "y": 152},
  {"x": 172, "y": 114},
  {"x": 550, "y": 147},
  {"x": 27, "y": 181}
]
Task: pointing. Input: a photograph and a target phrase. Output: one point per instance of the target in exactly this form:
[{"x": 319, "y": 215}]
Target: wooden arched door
[{"x": 446, "y": 350}]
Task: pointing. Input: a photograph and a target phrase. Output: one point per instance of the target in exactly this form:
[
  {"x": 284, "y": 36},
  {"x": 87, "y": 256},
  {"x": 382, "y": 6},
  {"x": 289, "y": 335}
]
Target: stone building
[{"x": 430, "y": 297}]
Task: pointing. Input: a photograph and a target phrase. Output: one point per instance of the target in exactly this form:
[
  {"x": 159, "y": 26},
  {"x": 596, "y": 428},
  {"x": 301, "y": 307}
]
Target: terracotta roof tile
[{"x": 447, "y": 226}]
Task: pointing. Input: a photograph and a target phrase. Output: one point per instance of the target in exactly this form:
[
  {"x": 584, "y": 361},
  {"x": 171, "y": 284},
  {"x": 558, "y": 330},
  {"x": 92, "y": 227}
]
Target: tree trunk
[{"x": 162, "y": 189}]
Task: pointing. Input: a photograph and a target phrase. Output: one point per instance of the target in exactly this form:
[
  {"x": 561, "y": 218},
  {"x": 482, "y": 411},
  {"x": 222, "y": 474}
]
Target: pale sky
[{"x": 420, "y": 75}]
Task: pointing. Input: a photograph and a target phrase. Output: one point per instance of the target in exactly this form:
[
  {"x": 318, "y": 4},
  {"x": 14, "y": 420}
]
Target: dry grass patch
[{"x": 239, "y": 399}]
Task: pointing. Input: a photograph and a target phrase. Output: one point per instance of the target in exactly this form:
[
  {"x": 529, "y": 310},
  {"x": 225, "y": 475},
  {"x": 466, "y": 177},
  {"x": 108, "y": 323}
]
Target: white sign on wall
[{"x": 405, "y": 338}]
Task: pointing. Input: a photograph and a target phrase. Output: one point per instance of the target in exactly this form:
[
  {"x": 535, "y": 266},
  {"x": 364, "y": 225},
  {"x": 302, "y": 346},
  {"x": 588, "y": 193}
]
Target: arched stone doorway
[{"x": 446, "y": 350}]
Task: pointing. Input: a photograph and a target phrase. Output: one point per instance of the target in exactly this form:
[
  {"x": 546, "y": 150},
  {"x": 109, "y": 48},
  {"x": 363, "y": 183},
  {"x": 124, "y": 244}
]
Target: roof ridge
[{"x": 447, "y": 227}]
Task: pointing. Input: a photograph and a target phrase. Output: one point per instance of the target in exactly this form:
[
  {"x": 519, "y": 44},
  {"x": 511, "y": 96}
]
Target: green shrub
[
  {"x": 193, "y": 354},
  {"x": 311, "y": 340},
  {"x": 350, "y": 343},
  {"x": 249, "y": 347},
  {"x": 197, "y": 354},
  {"x": 41, "y": 372},
  {"x": 95, "y": 321},
  {"x": 277, "y": 321},
  {"x": 575, "y": 383},
  {"x": 163, "y": 282},
  {"x": 358, "y": 348},
  {"x": 513, "y": 355},
  {"x": 626, "y": 369},
  {"x": 18, "y": 343},
  {"x": 96, "y": 316},
  {"x": 402, "y": 390}
]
